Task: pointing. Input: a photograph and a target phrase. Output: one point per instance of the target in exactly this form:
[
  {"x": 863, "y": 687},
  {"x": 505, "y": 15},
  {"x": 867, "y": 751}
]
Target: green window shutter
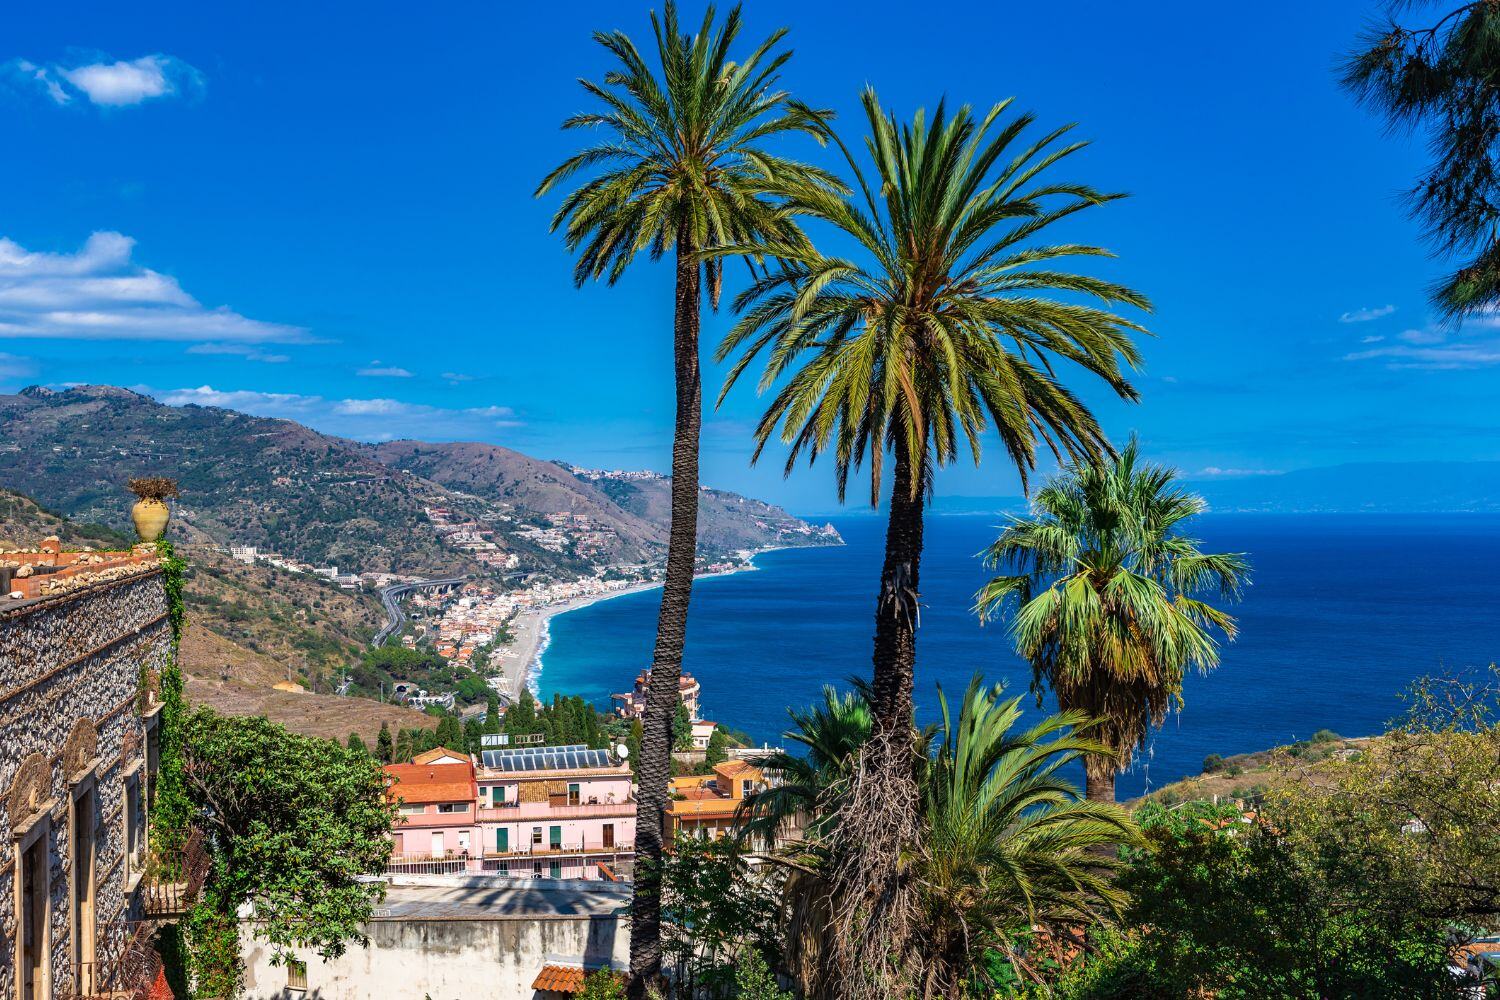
[
  {"x": 556, "y": 871},
  {"x": 555, "y": 835},
  {"x": 502, "y": 839}
]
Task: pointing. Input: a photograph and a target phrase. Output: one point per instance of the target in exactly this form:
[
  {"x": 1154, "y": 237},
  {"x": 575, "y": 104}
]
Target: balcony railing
[
  {"x": 459, "y": 863},
  {"x": 126, "y": 969},
  {"x": 172, "y": 879},
  {"x": 519, "y": 811}
]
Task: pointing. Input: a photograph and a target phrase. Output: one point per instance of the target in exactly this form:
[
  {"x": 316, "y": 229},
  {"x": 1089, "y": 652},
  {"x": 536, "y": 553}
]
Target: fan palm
[
  {"x": 952, "y": 317},
  {"x": 1009, "y": 843},
  {"x": 1108, "y": 599},
  {"x": 683, "y": 166}
]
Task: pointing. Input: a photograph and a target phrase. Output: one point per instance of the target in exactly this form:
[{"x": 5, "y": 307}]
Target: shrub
[{"x": 1213, "y": 762}]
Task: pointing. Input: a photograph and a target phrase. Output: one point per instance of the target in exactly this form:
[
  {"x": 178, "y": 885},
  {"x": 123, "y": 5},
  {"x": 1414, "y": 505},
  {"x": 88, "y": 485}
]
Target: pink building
[
  {"x": 555, "y": 812},
  {"x": 525, "y": 812},
  {"x": 437, "y": 803}
]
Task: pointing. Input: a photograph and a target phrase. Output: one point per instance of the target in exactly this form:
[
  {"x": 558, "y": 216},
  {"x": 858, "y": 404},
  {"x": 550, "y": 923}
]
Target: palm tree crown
[
  {"x": 949, "y": 321},
  {"x": 685, "y": 164},
  {"x": 1107, "y": 596}
]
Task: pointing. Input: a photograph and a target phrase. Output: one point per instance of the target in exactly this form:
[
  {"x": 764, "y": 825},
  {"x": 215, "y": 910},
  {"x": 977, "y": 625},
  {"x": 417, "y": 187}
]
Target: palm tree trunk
[
  {"x": 879, "y": 822},
  {"x": 1099, "y": 779},
  {"x": 662, "y": 693},
  {"x": 896, "y": 610}
]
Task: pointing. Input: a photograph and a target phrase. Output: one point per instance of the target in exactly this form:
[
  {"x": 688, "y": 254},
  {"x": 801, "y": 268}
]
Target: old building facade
[{"x": 82, "y": 637}]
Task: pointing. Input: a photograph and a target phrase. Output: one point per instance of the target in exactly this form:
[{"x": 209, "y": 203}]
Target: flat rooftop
[{"x": 516, "y": 901}]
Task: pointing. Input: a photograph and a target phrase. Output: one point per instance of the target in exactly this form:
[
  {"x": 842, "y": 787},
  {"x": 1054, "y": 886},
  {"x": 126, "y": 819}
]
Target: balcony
[
  {"x": 489, "y": 862},
  {"x": 126, "y": 970},
  {"x": 521, "y": 811}
]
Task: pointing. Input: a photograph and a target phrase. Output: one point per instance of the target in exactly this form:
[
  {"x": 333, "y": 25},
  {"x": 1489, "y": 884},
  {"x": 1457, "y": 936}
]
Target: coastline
[{"x": 522, "y": 659}]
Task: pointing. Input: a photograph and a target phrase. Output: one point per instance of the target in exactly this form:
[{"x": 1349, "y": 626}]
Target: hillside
[{"x": 313, "y": 498}]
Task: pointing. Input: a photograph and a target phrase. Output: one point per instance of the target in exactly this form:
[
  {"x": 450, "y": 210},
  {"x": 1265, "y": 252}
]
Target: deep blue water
[{"x": 1344, "y": 612}]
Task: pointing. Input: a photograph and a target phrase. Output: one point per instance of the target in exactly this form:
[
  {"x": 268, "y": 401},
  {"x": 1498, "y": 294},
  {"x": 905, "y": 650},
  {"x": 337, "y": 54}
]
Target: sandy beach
[{"x": 519, "y": 660}]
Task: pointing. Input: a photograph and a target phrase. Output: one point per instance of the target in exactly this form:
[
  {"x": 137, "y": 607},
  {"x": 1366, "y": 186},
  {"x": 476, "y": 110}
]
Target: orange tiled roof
[
  {"x": 423, "y": 783},
  {"x": 437, "y": 753},
  {"x": 559, "y": 978},
  {"x": 737, "y": 768}
]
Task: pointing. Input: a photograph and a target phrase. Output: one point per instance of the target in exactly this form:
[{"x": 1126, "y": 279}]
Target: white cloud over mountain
[
  {"x": 99, "y": 293},
  {"x": 111, "y": 83},
  {"x": 376, "y": 419}
]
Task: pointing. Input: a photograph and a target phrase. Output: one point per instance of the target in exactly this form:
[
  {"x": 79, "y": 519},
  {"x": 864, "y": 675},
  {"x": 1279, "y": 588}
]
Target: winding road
[{"x": 391, "y": 596}]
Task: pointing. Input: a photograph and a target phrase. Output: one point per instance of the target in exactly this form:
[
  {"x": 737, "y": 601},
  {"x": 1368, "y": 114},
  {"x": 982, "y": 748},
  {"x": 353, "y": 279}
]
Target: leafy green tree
[
  {"x": 718, "y": 747},
  {"x": 472, "y": 730},
  {"x": 951, "y": 317},
  {"x": 633, "y": 746},
  {"x": 1240, "y": 913},
  {"x": 492, "y": 723},
  {"x": 384, "y": 749},
  {"x": 293, "y": 825},
  {"x": 602, "y": 984},
  {"x": 403, "y": 749},
  {"x": 450, "y": 733},
  {"x": 717, "y": 907},
  {"x": 1442, "y": 79},
  {"x": 753, "y": 979},
  {"x": 1107, "y": 591},
  {"x": 682, "y": 728},
  {"x": 684, "y": 166},
  {"x": 357, "y": 744},
  {"x": 521, "y": 718}
]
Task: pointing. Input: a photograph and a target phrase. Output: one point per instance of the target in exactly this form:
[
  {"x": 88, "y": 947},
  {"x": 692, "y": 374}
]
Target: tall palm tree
[
  {"x": 954, "y": 313},
  {"x": 1009, "y": 843},
  {"x": 1108, "y": 594},
  {"x": 684, "y": 166}
]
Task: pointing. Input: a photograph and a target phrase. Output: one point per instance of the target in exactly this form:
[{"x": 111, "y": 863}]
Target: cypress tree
[
  {"x": 356, "y": 743},
  {"x": 383, "y": 748}
]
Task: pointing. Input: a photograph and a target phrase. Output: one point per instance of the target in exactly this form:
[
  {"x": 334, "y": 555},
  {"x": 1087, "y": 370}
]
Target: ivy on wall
[{"x": 170, "y": 806}]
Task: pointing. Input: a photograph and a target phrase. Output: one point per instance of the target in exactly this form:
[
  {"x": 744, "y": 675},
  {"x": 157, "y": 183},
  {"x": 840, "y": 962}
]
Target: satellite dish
[{"x": 622, "y": 751}]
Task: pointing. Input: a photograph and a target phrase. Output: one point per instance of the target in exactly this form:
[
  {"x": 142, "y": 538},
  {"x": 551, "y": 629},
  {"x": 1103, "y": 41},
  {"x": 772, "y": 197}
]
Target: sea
[{"x": 1344, "y": 612}]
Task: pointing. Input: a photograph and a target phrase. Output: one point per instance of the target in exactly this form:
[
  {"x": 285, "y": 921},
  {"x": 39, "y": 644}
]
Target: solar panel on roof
[{"x": 535, "y": 758}]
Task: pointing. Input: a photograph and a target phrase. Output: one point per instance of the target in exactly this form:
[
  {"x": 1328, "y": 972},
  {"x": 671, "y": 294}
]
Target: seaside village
[{"x": 511, "y": 868}]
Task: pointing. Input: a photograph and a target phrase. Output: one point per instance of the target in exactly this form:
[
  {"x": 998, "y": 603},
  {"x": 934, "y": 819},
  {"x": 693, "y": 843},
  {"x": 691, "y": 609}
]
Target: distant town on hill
[{"x": 291, "y": 534}]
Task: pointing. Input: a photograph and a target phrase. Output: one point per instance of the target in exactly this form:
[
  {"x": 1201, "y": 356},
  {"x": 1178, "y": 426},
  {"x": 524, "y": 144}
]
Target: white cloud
[
  {"x": 1215, "y": 471},
  {"x": 1431, "y": 335},
  {"x": 1374, "y": 338},
  {"x": 385, "y": 372},
  {"x": 1366, "y": 314},
  {"x": 99, "y": 293},
  {"x": 111, "y": 83},
  {"x": 364, "y": 419},
  {"x": 454, "y": 378},
  {"x": 1439, "y": 357},
  {"x": 246, "y": 351}
]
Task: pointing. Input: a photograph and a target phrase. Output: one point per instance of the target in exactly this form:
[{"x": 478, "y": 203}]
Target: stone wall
[{"x": 70, "y": 667}]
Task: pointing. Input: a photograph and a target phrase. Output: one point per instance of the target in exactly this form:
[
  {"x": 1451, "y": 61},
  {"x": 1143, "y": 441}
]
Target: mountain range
[{"x": 280, "y": 486}]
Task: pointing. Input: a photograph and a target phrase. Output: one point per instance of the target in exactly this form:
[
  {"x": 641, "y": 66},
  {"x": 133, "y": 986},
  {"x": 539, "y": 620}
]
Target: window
[
  {"x": 502, "y": 840},
  {"x": 554, "y": 837},
  {"x": 412, "y": 810},
  {"x": 499, "y": 795},
  {"x": 503, "y": 868},
  {"x": 83, "y": 849},
  {"x": 35, "y": 935},
  {"x": 536, "y": 836},
  {"x": 296, "y": 974},
  {"x": 536, "y": 869},
  {"x": 574, "y": 797},
  {"x": 133, "y": 838},
  {"x": 452, "y": 807},
  {"x": 555, "y": 870}
]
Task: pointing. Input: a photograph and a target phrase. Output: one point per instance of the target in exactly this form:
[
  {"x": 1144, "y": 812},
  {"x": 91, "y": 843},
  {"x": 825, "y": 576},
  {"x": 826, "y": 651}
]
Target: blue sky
[{"x": 324, "y": 212}]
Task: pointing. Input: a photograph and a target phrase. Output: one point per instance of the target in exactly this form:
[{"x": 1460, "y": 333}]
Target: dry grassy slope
[
  {"x": 1242, "y": 773},
  {"x": 289, "y": 619},
  {"x": 235, "y": 681}
]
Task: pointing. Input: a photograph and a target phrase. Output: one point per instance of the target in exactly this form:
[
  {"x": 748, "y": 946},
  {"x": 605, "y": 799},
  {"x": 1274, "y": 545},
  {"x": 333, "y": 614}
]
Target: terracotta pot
[{"x": 150, "y": 517}]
